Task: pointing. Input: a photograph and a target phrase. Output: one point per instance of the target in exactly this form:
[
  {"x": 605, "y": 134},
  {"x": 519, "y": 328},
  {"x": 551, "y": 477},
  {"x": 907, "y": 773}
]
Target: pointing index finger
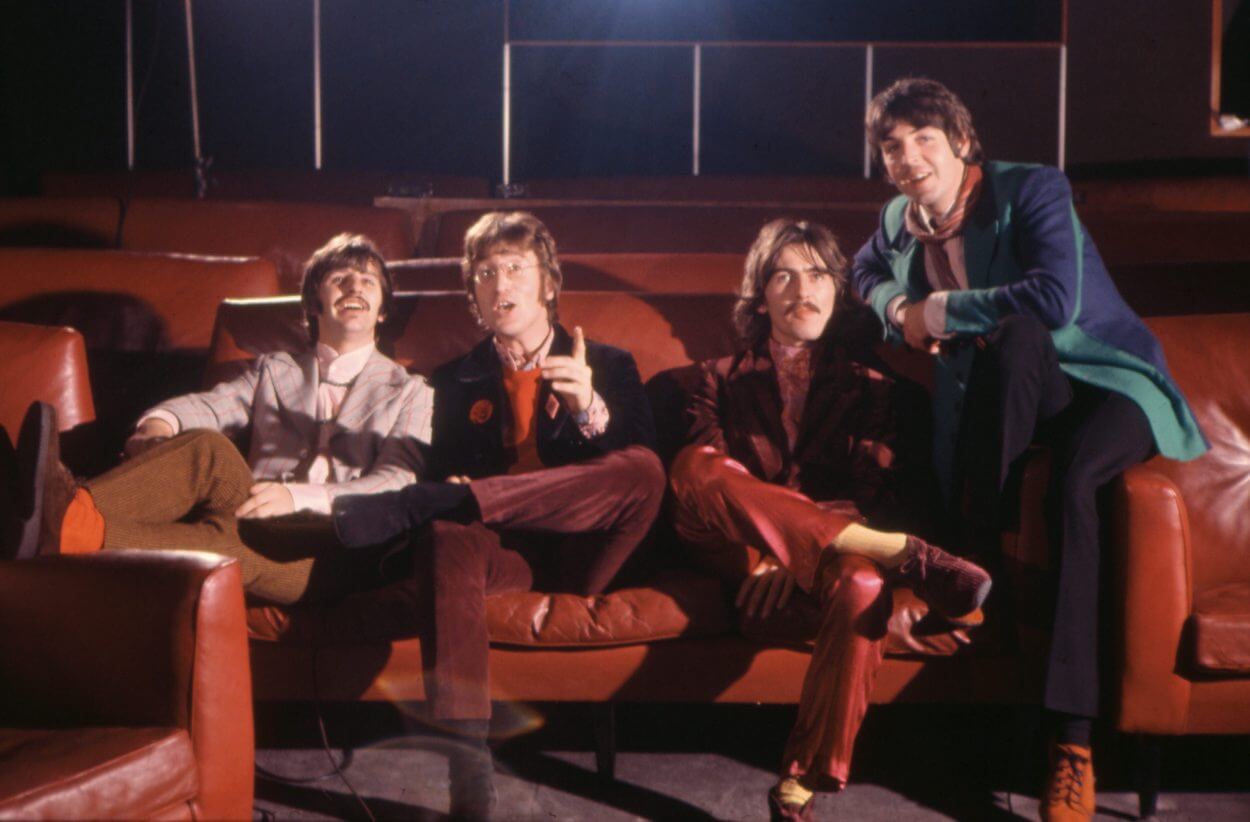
[{"x": 579, "y": 345}]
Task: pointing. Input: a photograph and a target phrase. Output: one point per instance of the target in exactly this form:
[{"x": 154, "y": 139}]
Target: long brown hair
[{"x": 754, "y": 326}]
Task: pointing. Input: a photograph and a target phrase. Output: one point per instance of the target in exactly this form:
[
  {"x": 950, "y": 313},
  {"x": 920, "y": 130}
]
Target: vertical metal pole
[
  {"x": 868, "y": 55},
  {"x": 195, "y": 100},
  {"x": 1063, "y": 106},
  {"x": 317, "y": 84},
  {"x": 698, "y": 96},
  {"x": 507, "y": 113},
  {"x": 130, "y": 85}
]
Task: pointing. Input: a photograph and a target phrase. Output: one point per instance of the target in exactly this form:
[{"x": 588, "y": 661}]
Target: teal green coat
[{"x": 1027, "y": 253}]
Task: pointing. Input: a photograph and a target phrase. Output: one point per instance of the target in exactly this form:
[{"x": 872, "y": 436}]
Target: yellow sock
[
  {"x": 884, "y": 548},
  {"x": 790, "y": 792}
]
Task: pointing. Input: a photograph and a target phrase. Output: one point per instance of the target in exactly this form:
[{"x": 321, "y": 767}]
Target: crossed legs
[{"x": 728, "y": 517}]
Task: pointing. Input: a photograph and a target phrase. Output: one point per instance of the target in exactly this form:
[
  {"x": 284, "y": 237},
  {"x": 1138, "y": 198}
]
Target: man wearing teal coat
[{"x": 987, "y": 266}]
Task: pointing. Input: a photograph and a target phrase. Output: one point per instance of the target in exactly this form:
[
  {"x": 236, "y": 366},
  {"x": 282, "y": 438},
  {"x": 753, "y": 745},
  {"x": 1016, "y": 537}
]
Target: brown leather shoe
[
  {"x": 951, "y": 585},
  {"x": 1069, "y": 793},
  {"x": 44, "y": 486},
  {"x": 779, "y": 811}
]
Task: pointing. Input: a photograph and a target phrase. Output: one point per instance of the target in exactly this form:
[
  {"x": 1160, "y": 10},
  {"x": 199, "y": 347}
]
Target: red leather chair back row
[
  {"x": 1185, "y": 194},
  {"x": 45, "y": 364},
  {"x": 60, "y": 222},
  {"x": 283, "y": 232},
  {"x": 126, "y": 300}
]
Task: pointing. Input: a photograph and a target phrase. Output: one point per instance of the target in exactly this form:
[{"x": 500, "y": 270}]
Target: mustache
[
  {"x": 351, "y": 299},
  {"x": 797, "y": 304}
]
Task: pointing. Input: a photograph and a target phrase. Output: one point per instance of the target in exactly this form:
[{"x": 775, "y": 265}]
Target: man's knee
[
  {"x": 697, "y": 470},
  {"x": 851, "y": 582},
  {"x": 1020, "y": 341}
]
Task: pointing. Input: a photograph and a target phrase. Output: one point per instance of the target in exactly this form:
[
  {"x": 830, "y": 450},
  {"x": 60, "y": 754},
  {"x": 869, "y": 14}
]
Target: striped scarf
[{"x": 946, "y": 229}]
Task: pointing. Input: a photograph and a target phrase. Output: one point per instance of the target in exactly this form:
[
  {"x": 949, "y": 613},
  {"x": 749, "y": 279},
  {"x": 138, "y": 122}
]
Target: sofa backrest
[
  {"x": 285, "y": 233},
  {"x": 60, "y": 222},
  {"x": 427, "y": 329},
  {"x": 1208, "y": 356}
]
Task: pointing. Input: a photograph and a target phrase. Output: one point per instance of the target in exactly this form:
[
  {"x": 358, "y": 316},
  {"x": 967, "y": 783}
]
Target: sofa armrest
[
  {"x": 1153, "y": 597},
  {"x": 136, "y": 639}
]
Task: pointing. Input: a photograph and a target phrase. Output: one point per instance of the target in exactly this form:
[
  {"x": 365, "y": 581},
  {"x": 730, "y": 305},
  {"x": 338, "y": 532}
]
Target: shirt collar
[
  {"x": 337, "y": 369},
  {"x": 514, "y": 362},
  {"x": 781, "y": 351}
]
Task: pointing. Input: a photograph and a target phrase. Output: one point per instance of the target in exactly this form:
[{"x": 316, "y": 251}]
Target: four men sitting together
[{"x": 812, "y": 476}]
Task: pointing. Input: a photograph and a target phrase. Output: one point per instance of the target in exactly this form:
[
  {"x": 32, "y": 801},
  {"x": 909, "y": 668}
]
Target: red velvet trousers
[
  {"x": 558, "y": 529},
  {"x": 728, "y": 517}
]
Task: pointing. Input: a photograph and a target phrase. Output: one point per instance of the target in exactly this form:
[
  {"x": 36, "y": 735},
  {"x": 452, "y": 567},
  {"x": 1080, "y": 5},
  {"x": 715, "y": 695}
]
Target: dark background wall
[{"x": 415, "y": 86}]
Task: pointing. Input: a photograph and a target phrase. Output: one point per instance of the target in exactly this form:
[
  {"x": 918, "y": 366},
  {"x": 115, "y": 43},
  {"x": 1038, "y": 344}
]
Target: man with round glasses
[{"x": 543, "y": 448}]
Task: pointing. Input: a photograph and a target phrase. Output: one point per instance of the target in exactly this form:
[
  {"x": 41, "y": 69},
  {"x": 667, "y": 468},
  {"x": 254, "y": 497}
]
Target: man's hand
[
  {"x": 268, "y": 499},
  {"x": 769, "y": 586},
  {"x": 915, "y": 332},
  {"x": 153, "y": 431},
  {"x": 570, "y": 376},
  {"x": 459, "y": 479}
]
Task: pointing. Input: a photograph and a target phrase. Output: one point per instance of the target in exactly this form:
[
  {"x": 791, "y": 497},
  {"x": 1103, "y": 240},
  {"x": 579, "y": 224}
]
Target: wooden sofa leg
[
  {"x": 1148, "y": 766},
  {"x": 604, "y": 724}
]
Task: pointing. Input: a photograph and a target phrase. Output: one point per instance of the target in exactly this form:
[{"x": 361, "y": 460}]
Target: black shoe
[
  {"x": 471, "y": 772},
  {"x": 44, "y": 488},
  {"x": 372, "y": 519}
]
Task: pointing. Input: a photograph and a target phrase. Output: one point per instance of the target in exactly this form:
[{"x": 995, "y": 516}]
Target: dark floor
[{"x": 716, "y": 762}]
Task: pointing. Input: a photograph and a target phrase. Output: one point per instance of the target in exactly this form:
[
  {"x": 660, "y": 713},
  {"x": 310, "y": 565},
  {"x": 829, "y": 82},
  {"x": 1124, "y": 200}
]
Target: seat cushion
[
  {"x": 95, "y": 773},
  {"x": 1220, "y": 628},
  {"x": 675, "y": 603}
]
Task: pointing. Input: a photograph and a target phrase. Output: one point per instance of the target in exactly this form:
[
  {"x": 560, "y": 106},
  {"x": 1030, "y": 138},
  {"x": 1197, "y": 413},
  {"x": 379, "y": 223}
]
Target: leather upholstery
[
  {"x": 1221, "y": 629},
  {"x": 285, "y": 233},
  {"x": 1183, "y": 583},
  {"x": 113, "y": 297},
  {"x": 95, "y": 773},
  {"x": 48, "y": 364},
  {"x": 60, "y": 222},
  {"x": 154, "y": 643},
  {"x": 1167, "y": 194}
]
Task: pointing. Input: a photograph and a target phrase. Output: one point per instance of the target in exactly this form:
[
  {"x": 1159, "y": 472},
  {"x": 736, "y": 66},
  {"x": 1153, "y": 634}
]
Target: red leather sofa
[
  {"x": 628, "y": 645},
  {"x": 120, "y": 691},
  {"x": 1183, "y": 572}
]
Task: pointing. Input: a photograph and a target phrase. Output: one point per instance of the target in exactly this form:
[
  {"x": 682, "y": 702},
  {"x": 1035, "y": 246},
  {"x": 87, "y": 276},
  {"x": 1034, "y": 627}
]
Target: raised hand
[{"x": 570, "y": 376}]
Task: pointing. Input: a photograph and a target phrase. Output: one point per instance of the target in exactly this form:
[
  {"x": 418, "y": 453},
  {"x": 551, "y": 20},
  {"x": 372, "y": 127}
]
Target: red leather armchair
[
  {"x": 1183, "y": 533},
  {"x": 124, "y": 688}
]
